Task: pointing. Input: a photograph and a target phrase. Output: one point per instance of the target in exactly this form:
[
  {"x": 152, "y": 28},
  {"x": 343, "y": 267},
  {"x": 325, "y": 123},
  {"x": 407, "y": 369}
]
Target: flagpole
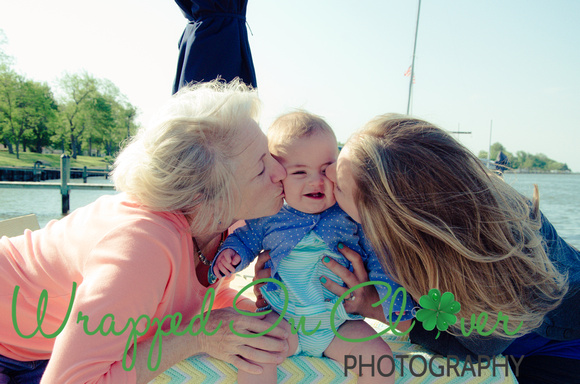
[{"x": 413, "y": 62}]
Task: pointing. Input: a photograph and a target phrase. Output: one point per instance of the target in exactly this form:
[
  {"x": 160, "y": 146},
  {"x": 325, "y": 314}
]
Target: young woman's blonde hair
[
  {"x": 439, "y": 219},
  {"x": 183, "y": 160},
  {"x": 295, "y": 125}
]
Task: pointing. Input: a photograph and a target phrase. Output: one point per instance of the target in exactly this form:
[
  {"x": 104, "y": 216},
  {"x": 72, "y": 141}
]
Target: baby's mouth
[{"x": 317, "y": 195}]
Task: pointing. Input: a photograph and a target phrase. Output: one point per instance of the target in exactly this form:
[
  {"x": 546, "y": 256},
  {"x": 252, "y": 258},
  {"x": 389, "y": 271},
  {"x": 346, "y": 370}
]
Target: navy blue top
[
  {"x": 558, "y": 335},
  {"x": 534, "y": 344}
]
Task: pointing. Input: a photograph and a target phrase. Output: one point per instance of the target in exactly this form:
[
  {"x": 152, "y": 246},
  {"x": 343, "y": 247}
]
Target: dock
[{"x": 64, "y": 186}]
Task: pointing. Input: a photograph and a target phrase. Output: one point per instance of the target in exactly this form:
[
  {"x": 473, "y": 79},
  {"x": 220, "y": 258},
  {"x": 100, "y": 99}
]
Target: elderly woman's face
[
  {"x": 258, "y": 175},
  {"x": 340, "y": 173}
]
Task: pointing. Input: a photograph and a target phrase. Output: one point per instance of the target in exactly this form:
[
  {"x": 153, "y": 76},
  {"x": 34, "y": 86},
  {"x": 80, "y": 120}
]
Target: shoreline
[{"x": 531, "y": 172}]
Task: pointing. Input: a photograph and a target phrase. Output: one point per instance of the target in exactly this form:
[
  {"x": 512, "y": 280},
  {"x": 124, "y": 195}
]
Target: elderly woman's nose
[{"x": 278, "y": 172}]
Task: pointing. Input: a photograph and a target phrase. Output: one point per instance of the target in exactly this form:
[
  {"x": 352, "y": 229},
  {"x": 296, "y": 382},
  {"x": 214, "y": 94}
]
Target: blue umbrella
[{"x": 214, "y": 43}]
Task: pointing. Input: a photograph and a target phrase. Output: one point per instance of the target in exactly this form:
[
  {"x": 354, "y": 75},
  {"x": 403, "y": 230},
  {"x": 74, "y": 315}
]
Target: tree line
[
  {"x": 524, "y": 160},
  {"x": 83, "y": 114}
]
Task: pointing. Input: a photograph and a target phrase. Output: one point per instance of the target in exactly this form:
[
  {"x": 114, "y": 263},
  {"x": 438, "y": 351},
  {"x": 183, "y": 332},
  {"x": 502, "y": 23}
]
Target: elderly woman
[
  {"x": 116, "y": 288},
  {"x": 438, "y": 219}
]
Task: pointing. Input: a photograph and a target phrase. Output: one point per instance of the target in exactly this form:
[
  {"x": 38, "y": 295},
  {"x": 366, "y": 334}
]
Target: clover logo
[{"x": 438, "y": 310}]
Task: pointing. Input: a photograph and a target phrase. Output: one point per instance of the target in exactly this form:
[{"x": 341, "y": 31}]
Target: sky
[{"x": 509, "y": 70}]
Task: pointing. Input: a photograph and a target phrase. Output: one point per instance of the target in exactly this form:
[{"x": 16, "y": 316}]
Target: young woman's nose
[{"x": 331, "y": 172}]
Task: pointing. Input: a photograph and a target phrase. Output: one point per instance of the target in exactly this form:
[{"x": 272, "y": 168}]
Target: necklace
[{"x": 202, "y": 258}]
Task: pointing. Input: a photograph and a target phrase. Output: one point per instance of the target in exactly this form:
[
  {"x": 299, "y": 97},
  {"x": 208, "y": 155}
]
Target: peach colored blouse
[{"x": 129, "y": 265}]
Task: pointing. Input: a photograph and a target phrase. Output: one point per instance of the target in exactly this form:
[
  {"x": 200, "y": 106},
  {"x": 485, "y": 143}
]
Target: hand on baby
[{"x": 226, "y": 263}]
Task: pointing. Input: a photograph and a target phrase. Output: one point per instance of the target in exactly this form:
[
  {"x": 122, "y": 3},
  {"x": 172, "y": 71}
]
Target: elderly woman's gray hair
[{"x": 183, "y": 160}]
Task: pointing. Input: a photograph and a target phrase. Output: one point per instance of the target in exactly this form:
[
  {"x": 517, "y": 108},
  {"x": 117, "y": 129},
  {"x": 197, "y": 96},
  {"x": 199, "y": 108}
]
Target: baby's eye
[{"x": 299, "y": 173}]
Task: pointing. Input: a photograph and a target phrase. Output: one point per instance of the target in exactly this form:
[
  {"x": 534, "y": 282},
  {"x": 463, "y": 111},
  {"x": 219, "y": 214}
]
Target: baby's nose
[{"x": 317, "y": 179}]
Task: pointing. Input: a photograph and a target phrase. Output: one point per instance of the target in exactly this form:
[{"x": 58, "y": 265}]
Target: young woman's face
[
  {"x": 340, "y": 173},
  {"x": 258, "y": 175}
]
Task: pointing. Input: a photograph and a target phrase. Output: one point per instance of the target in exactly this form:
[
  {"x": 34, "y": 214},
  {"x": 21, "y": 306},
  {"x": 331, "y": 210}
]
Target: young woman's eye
[{"x": 261, "y": 173}]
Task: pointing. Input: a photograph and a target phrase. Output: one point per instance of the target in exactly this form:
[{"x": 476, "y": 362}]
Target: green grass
[{"x": 27, "y": 159}]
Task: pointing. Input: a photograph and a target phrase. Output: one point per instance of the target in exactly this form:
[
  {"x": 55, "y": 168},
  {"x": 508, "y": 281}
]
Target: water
[
  {"x": 559, "y": 200},
  {"x": 46, "y": 203}
]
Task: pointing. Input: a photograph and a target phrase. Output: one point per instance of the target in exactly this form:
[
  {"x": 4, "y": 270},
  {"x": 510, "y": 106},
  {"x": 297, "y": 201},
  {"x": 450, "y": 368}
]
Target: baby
[{"x": 310, "y": 227}]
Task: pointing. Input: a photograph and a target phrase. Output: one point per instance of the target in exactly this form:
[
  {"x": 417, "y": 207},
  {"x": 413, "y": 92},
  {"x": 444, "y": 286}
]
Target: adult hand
[
  {"x": 223, "y": 344},
  {"x": 363, "y": 297},
  {"x": 261, "y": 273},
  {"x": 237, "y": 350}
]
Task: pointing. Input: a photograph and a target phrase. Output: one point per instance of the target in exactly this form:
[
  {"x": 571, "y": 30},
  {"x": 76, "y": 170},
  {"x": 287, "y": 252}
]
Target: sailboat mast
[
  {"x": 413, "y": 62},
  {"x": 489, "y": 148}
]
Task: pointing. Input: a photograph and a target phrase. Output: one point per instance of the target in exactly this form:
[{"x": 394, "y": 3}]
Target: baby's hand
[{"x": 226, "y": 263}]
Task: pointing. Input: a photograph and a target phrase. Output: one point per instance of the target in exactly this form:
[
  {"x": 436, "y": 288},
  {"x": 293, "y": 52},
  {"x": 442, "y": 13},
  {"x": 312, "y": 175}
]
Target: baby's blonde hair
[{"x": 295, "y": 125}]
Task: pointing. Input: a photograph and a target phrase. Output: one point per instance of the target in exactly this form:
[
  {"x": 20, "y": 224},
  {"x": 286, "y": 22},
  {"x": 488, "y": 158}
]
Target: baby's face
[{"x": 306, "y": 186}]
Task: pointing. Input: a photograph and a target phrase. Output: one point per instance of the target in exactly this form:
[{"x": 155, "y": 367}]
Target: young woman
[{"x": 438, "y": 218}]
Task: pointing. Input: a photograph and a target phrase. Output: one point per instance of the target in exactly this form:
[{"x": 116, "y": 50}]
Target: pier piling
[{"x": 64, "y": 177}]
